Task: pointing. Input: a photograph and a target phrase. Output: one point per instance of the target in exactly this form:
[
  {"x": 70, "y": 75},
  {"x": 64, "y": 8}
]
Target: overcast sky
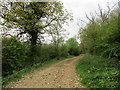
[{"x": 79, "y": 8}]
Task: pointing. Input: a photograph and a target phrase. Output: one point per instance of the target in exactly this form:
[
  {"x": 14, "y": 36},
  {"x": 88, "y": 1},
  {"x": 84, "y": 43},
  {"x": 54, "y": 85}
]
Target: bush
[
  {"x": 14, "y": 55},
  {"x": 73, "y": 47},
  {"x": 18, "y": 55},
  {"x": 64, "y": 50}
]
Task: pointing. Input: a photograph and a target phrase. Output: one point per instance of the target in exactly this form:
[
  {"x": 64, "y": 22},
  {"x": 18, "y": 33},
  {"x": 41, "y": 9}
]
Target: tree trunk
[
  {"x": 33, "y": 47},
  {"x": 34, "y": 36}
]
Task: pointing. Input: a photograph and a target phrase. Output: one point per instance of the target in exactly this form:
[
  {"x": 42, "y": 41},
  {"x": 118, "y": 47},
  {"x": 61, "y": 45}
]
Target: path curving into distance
[{"x": 61, "y": 74}]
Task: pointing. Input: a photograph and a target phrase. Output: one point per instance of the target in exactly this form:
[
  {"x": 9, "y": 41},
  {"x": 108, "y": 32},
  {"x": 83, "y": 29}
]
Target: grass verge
[
  {"x": 19, "y": 74},
  {"x": 98, "y": 72}
]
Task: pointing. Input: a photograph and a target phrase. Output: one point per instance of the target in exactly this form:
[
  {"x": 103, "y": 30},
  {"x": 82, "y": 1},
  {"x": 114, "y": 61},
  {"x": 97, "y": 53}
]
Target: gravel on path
[{"x": 61, "y": 74}]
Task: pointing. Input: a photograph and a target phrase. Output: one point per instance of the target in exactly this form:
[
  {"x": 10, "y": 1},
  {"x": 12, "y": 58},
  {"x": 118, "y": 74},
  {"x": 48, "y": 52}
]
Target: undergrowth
[{"x": 98, "y": 72}]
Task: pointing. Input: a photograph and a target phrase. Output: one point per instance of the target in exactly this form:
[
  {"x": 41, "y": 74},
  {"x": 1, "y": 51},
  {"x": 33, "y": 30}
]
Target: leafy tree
[
  {"x": 73, "y": 46},
  {"x": 64, "y": 50},
  {"x": 33, "y": 18},
  {"x": 100, "y": 36},
  {"x": 58, "y": 35}
]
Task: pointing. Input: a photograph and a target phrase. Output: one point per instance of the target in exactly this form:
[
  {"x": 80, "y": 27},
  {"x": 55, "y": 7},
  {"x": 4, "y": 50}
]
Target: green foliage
[
  {"x": 73, "y": 46},
  {"x": 14, "y": 55},
  {"x": 30, "y": 17},
  {"x": 64, "y": 50},
  {"x": 17, "y": 60},
  {"x": 98, "y": 72},
  {"x": 102, "y": 38},
  {"x": 34, "y": 19}
]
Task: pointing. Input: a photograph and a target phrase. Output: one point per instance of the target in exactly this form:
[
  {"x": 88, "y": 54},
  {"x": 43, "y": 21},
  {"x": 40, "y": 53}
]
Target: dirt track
[{"x": 59, "y": 75}]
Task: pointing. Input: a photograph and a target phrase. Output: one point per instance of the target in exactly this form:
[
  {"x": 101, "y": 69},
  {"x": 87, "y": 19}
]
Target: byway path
[{"x": 62, "y": 74}]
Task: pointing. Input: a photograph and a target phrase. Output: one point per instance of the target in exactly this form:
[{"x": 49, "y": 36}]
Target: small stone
[{"x": 59, "y": 86}]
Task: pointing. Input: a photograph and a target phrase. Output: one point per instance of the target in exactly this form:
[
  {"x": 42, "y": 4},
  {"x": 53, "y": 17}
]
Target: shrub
[{"x": 14, "y": 55}]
